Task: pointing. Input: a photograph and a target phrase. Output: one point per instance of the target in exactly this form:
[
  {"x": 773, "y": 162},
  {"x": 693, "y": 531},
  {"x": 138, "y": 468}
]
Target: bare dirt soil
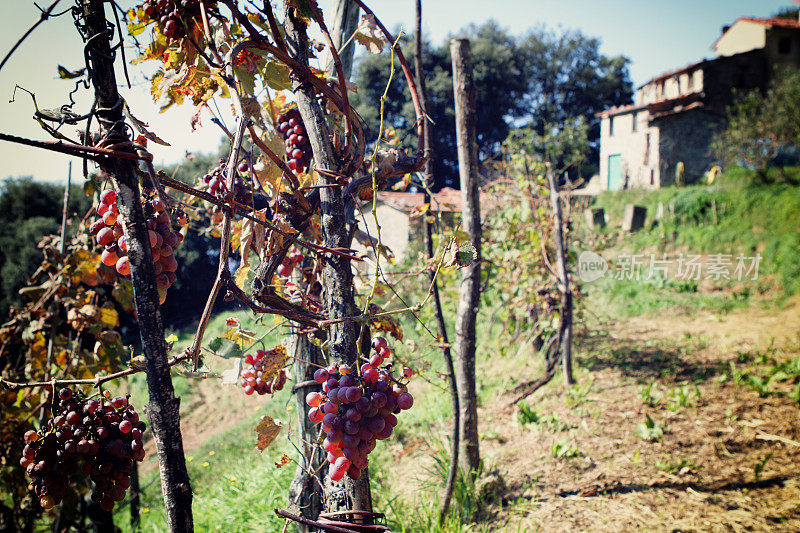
[
  {"x": 721, "y": 457},
  {"x": 727, "y": 460}
]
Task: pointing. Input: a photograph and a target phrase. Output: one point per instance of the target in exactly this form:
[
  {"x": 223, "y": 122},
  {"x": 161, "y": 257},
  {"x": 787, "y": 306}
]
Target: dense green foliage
[
  {"x": 538, "y": 79},
  {"x": 29, "y": 210},
  {"x": 763, "y": 128},
  {"x": 732, "y": 216}
]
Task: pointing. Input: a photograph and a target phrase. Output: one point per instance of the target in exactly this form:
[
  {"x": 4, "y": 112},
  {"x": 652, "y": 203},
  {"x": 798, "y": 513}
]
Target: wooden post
[
  {"x": 565, "y": 348},
  {"x": 345, "y": 22},
  {"x": 427, "y": 175},
  {"x": 305, "y": 492},
  {"x": 135, "y": 497},
  {"x": 469, "y": 296},
  {"x": 337, "y": 276},
  {"x": 163, "y": 409}
]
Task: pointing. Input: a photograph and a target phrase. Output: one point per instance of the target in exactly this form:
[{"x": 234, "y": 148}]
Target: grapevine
[
  {"x": 102, "y": 439},
  {"x": 357, "y": 410}
]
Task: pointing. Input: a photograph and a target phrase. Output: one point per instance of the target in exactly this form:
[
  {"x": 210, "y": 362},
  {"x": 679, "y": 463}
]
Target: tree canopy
[
  {"x": 763, "y": 129},
  {"x": 29, "y": 210},
  {"x": 540, "y": 78}
]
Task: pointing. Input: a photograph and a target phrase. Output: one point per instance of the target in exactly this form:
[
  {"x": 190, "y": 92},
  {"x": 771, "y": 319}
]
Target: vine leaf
[
  {"x": 66, "y": 74},
  {"x": 141, "y": 127},
  {"x": 387, "y": 324},
  {"x": 369, "y": 34},
  {"x": 273, "y": 361},
  {"x": 253, "y": 236},
  {"x": 240, "y": 336},
  {"x": 242, "y": 273},
  {"x": 305, "y": 9},
  {"x": 461, "y": 253},
  {"x": 267, "y": 431},
  {"x": 231, "y": 376},
  {"x": 276, "y": 76}
]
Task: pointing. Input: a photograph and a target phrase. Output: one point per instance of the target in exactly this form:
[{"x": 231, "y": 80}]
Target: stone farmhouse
[
  {"x": 401, "y": 220},
  {"x": 677, "y": 112}
]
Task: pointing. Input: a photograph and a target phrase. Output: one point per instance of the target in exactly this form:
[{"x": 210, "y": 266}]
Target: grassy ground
[
  {"x": 684, "y": 417},
  {"x": 730, "y": 217}
]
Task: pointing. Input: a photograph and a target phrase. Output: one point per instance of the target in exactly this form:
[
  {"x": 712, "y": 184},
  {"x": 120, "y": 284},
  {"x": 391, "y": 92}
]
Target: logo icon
[{"x": 591, "y": 266}]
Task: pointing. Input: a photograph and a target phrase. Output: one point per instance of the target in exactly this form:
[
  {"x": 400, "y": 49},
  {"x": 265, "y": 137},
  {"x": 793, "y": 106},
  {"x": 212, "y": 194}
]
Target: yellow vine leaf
[
  {"x": 240, "y": 336},
  {"x": 267, "y": 431},
  {"x": 273, "y": 361},
  {"x": 241, "y": 274}
]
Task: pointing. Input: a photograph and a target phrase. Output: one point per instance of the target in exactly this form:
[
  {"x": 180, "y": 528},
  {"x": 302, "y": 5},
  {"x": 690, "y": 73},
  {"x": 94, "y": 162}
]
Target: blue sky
[{"x": 656, "y": 36}]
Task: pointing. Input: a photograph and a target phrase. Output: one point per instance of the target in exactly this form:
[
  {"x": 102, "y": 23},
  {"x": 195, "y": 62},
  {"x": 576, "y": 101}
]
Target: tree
[
  {"x": 29, "y": 210},
  {"x": 763, "y": 128},
  {"x": 535, "y": 79}
]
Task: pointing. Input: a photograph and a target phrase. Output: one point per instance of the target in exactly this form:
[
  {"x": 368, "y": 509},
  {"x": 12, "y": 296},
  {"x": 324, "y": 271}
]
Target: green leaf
[
  {"x": 246, "y": 79},
  {"x": 276, "y": 76},
  {"x": 215, "y": 344}
]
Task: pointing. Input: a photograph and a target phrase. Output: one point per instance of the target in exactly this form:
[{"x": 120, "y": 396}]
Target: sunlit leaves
[
  {"x": 386, "y": 324},
  {"x": 369, "y": 34}
]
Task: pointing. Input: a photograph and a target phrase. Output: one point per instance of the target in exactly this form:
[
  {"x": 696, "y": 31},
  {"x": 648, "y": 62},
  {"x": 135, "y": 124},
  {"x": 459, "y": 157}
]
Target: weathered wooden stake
[
  {"x": 305, "y": 491},
  {"x": 469, "y": 297},
  {"x": 337, "y": 276},
  {"x": 565, "y": 348},
  {"x": 163, "y": 408},
  {"x": 427, "y": 176}
]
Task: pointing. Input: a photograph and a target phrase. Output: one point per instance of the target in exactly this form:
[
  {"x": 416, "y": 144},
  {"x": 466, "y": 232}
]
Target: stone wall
[{"x": 686, "y": 137}]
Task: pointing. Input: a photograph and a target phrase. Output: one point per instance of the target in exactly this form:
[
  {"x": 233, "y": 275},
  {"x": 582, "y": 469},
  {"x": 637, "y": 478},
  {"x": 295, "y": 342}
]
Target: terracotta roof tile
[{"x": 780, "y": 22}]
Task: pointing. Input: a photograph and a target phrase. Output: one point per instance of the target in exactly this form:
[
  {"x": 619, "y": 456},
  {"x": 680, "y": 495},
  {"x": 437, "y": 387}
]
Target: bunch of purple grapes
[
  {"x": 298, "y": 151},
  {"x": 102, "y": 438},
  {"x": 356, "y": 411},
  {"x": 170, "y": 15},
  {"x": 253, "y": 378},
  {"x": 215, "y": 184},
  {"x": 110, "y": 233}
]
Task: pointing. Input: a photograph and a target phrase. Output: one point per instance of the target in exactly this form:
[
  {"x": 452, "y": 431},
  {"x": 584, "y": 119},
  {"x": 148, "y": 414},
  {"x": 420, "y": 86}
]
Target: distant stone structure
[
  {"x": 678, "y": 112},
  {"x": 595, "y": 218},
  {"x": 634, "y": 217}
]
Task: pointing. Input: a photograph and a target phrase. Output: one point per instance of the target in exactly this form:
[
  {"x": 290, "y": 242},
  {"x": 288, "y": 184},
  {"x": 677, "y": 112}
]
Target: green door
[{"x": 615, "y": 172}]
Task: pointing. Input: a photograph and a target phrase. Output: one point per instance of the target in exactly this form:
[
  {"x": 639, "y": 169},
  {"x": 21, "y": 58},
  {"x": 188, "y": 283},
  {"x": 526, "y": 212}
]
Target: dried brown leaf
[
  {"x": 369, "y": 34},
  {"x": 267, "y": 431}
]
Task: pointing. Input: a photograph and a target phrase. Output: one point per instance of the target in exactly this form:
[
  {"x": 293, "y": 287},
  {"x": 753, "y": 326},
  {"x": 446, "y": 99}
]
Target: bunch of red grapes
[
  {"x": 252, "y": 379},
  {"x": 101, "y": 437},
  {"x": 109, "y": 232},
  {"x": 357, "y": 410},
  {"x": 169, "y": 14},
  {"x": 214, "y": 181},
  {"x": 298, "y": 151},
  {"x": 289, "y": 262}
]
